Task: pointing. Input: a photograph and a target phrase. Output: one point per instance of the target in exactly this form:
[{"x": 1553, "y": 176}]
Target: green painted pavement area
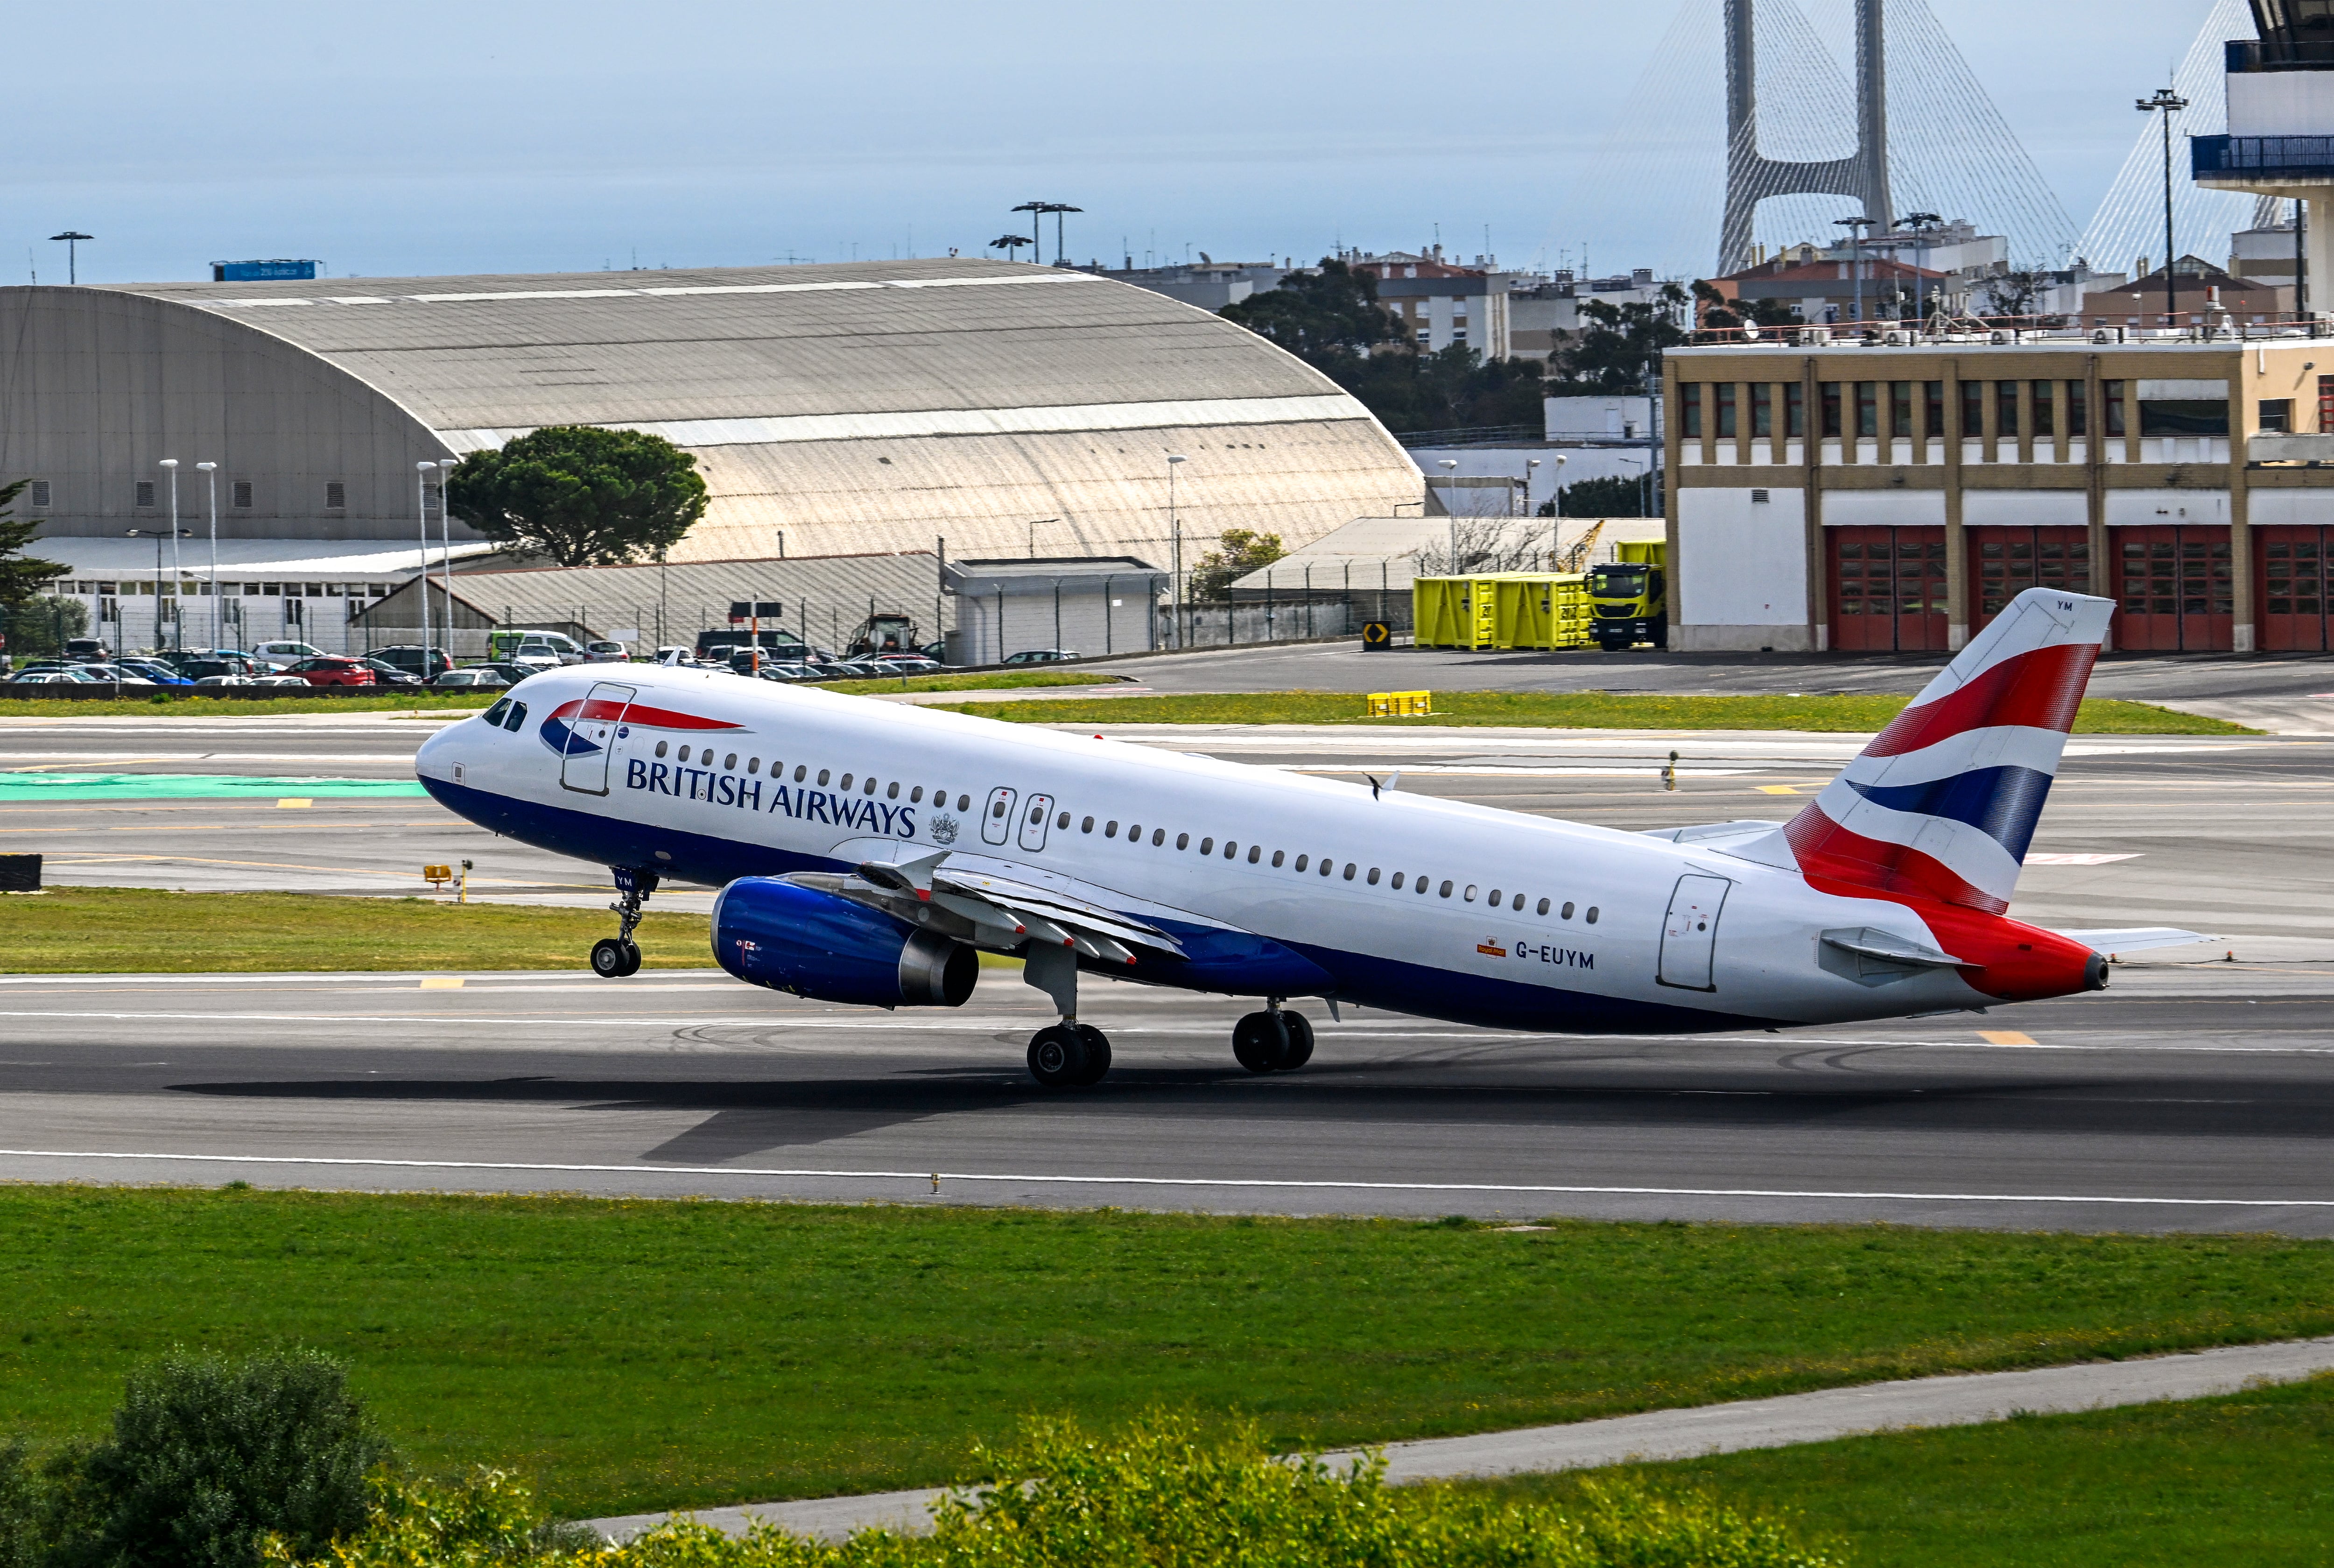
[{"x": 21, "y": 787}]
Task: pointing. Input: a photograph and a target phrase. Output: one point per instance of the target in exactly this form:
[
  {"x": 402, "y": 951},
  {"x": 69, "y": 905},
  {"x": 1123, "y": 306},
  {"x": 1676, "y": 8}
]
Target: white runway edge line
[{"x": 1175, "y": 1181}]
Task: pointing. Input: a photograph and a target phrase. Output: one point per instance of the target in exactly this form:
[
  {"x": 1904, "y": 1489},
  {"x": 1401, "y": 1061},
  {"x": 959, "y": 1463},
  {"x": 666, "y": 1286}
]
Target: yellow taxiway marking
[
  {"x": 454, "y": 982},
  {"x": 1991, "y": 1036},
  {"x": 1779, "y": 789},
  {"x": 295, "y": 802}
]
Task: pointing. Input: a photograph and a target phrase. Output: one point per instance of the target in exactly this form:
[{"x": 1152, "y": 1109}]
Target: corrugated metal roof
[
  {"x": 870, "y": 406},
  {"x": 1382, "y": 553}
]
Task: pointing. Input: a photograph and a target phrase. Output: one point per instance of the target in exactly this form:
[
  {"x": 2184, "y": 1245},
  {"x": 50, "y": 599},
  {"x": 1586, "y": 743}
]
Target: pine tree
[{"x": 22, "y": 577}]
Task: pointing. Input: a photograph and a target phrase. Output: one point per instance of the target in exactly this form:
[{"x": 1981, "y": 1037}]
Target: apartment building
[{"x": 1893, "y": 498}]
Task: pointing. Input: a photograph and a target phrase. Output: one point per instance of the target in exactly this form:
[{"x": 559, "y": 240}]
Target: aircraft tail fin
[{"x": 1942, "y": 803}]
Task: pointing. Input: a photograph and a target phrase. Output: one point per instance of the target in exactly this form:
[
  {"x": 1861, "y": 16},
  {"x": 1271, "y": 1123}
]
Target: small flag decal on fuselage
[{"x": 1490, "y": 950}]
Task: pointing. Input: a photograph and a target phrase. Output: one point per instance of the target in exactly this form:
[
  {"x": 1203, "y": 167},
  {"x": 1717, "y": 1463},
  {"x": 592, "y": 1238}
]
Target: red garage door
[
  {"x": 2005, "y": 562},
  {"x": 1888, "y": 588},
  {"x": 2174, "y": 589},
  {"x": 2293, "y": 583}
]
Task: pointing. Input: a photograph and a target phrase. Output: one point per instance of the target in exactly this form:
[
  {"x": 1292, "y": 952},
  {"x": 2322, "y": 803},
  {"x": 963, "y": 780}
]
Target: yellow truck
[{"x": 1628, "y": 600}]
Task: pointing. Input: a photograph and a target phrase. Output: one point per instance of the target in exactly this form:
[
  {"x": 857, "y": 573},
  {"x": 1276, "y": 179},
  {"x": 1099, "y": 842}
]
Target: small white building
[{"x": 1090, "y": 605}]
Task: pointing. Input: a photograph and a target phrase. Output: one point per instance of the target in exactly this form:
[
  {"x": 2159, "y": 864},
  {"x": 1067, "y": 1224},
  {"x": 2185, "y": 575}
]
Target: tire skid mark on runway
[{"x": 1176, "y": 1181}]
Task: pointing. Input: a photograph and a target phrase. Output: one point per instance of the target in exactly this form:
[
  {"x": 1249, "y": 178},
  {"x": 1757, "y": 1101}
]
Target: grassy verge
[
  {"x": 2241, "y": 1479},
  {"x": 236, "y": 706},
  {"x": 1570, "y": 710},
  {"x": 145, "y": 930},
  {"x": 991, "y": 680},
  {"x": 636, "y": 1354}
]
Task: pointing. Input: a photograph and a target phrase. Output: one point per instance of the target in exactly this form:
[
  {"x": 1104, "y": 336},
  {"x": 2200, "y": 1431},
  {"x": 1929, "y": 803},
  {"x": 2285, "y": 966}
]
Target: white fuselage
[{"x": 1416, "y": 905}]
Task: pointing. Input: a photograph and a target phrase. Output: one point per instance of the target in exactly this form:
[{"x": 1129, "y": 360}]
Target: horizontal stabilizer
[
  {"x": 1866, "y": 942},
  {"x": 2136, "y": 938},
  {"x": 1710, "y": 832}
]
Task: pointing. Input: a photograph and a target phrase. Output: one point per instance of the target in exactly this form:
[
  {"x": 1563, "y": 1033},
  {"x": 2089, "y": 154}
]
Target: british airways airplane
[{"x": 867, "y": 852}]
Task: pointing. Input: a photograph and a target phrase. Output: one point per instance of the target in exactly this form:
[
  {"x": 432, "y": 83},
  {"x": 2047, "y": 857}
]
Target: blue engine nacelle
[{"x": 795, "y": 938}]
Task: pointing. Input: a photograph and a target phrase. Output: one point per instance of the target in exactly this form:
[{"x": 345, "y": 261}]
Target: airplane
[{"x": 867, "y": 853}]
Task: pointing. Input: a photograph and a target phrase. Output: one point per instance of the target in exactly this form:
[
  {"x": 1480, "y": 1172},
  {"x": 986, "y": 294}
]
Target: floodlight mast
[
  {"x": 2171, "y": 103},
  {"x": 72, "y": 238}
]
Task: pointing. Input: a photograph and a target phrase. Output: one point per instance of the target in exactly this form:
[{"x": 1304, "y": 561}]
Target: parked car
[
  {"x": 476, "y": 676},
  {"x": 333, "y": 669},
  {"x": 412, "y": 659},
  {"x": 121, "y": 676},
  {"x": 605, "y": 653},
  {"x": 211, "y": 680},
  {"x": 1042, "y": 656},
  {"x": 155, "y": 671},
  {"x": 910, "y": 664},
  {"x": 284, "y": 654},
  {"x": 386, "y": 674},
  {"x": 49, "y": 678},
  {"x": 512, "y": 674},
  {"x": 301, "y": 681},
  {"x": 89, "y": 648},
  {"x": 772, "y": 670}
]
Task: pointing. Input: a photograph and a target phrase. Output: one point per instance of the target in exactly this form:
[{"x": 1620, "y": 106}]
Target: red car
[{"x": 330, "y": 670}]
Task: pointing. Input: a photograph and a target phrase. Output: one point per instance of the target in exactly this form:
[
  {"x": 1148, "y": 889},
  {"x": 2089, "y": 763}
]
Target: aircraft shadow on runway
[{"x": 747, "y": 1117}]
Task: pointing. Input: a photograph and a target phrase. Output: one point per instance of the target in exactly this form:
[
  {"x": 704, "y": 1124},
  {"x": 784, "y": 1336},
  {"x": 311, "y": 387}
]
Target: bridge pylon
[{"x": 1751, "y": 177}]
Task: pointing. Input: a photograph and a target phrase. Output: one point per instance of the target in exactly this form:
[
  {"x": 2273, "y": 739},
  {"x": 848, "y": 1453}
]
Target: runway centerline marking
[{"x": 1177, "y": 1181}]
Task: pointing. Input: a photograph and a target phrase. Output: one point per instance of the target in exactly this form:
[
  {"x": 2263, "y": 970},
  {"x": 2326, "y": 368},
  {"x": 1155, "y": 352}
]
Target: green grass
[
  {"x": 240, "y": 707},
  {"x": 2246, "y": 1479},
  {"x": 991, "y": 680},
  {"x": 1575, "y": 710},
  {"x": 145, "y": 930},
  {"x": 636, "y": 1354}
]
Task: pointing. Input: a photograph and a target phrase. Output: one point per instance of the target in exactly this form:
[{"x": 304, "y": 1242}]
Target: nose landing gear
[
  {"x": 613, "y": 958},
  {"x": 1273, "y": 1041}
]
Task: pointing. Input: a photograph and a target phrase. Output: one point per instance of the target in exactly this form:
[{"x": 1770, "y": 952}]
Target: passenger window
[
  {"x": 1543, "y": 907},
  {"x": 1497, "y": 898},
  {"x": 1086, "y": 825},
  {"x": 800, "y": 771},
  {"x": 1423, "y": 885},
  {"x": 1183, "y": 841},
  {"x": 893, "y": 793},
  {"x": 1327, "y": 865},
  {"x": 1470, "y": 894},
  {"x": 844, "y": 785},
  {"x": 1303, "y": 860},
  {"x": 1158, "y": 836},
  {"x": 518, "y": 718},
  {"x": 753, "y": 764},
  {"x": 684, "y": 754},
  {"x": 660, "y": 745},
  {"x": 998, "y": 808},
  {"x": 1065, "y": 821},
  {"x": 916, "y": 795},
  {"x": 1278, "y": 856},
  {"x": 964, "y": 803},
  {"x": 1350, "y": 869},
  {"x": 730, "y": 761},
  {"x": 1397, "y": 881},
  {"x": 1374, "y": 876},
  {"x": 871, "y": 786},
  {"x": 1565, "y": 913},
  {"x": 1255, "y": 853},
  {"x": 823, "y": 777},
  {"x": 1446, "y": 889},
  {"x": 1230, "y": 848},
  {"x": 1207, "y": 846},
  {"x": 1591, "y": 914}
]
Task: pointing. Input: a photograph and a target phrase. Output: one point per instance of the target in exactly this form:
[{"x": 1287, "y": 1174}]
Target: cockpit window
[
  {"x": 517, "y": 719},
  {"x": 495, "y": 713}
]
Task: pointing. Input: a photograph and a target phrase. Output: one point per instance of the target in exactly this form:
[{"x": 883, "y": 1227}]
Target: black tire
[
  {"x": 1300, "y": 1042},
  {"x": 1661, "y": 634},
  {"x": 1057, "y": 1056},
  {"x": 608, "y": 958},
  {"x": 1097, "y": 1044},
  {"x": 631, "y": 956},
  {"x": 1259, "y": 1040}
]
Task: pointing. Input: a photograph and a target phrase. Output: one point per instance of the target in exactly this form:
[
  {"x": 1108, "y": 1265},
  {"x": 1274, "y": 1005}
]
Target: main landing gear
[
  {"x": 1273, "y": 1041},
  {"x": 1068, "y": 1054},
  {"x": 613, "y": 958}
]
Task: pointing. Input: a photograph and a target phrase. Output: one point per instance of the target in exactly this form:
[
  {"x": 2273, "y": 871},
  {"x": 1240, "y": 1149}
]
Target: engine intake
[{"x": 774, "y": 933}]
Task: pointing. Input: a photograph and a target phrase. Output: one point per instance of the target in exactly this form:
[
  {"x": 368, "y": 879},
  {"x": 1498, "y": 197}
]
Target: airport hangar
[{"x": 1009, "y": 410}]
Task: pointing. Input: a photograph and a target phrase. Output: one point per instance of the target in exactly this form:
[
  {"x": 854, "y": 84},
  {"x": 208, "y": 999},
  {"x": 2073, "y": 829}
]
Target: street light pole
[
  {"x": 209, "y": 472},
  {"x": 422, "y": 470},
  {"x": 1856, "y": 228},
  {"x": 176, "y": 575},
  {"x": 72, "y": 238},
  {"x": 2171, "y": 103},
  {"x": 1175, "y": 534},
  {"x": 446, "y": 466},
  {"x": 1921, "y": 224},
  {"x": 1449, "y": 466}
]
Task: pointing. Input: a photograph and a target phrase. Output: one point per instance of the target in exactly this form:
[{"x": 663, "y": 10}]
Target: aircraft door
[
  {"x": 592, "y": 738},
  {"x": 1034, "y": 822},
  {"x": 1689, "y": 933},
  {"x": 997, "y": 818}
]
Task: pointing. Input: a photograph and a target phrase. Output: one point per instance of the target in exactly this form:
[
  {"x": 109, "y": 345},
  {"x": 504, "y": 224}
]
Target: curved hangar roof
[{"x": 866, "y": 407}]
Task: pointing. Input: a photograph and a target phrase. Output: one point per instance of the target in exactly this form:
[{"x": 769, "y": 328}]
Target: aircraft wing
[
  {"x": 2136, "y": 938},
  {"x": 992, "y": 912}
]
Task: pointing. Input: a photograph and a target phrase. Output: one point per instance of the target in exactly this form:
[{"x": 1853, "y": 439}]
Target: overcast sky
[{"x": 430, "y": 137}]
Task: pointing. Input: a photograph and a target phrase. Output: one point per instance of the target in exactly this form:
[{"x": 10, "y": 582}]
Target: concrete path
[{"x": 1947, "y": 1402}]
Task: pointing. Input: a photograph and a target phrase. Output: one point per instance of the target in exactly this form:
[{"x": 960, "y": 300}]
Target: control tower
[{"x": 2280, "y": 137}]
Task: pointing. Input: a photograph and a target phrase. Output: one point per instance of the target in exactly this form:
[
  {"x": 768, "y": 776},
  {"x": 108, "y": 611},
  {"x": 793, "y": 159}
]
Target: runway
[
  {"x": 2192, "y": 1095},
  {"x": 2188, "y": 1098}
]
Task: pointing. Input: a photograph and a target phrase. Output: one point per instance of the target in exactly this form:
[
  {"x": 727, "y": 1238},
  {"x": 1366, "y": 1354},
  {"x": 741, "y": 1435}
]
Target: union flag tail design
[{"x": 1942, "y": 803}]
